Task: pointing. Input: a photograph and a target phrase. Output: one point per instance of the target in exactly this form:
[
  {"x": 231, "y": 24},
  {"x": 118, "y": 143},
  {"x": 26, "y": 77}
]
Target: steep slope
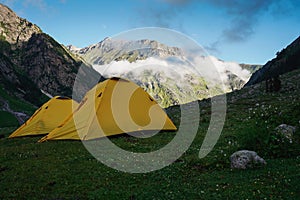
[
  {"x": 26, "y": 51},
  {"x": 31, "y": 62},
  {"x": 251, "y": 68},
  {"x": 286, "y": 60}
]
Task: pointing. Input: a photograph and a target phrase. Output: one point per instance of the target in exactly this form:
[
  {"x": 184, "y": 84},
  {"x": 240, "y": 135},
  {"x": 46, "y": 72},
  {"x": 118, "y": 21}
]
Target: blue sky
[{"x": 232, "y": 30}]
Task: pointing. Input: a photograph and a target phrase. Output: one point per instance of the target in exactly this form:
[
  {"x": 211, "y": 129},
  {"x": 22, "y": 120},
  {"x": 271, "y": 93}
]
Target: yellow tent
[
  {"x": 47, "y": 117},
  {"x": 112, "y": 107}
]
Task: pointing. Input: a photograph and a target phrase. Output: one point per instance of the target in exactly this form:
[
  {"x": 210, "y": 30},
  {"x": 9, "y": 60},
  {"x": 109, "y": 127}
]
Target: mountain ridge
[
  {"x": 124, "y": 58},
  {"x": 286, "y": 60},
  {"x": 32, "y": 61},
  {"x": 109, "y": 50}
]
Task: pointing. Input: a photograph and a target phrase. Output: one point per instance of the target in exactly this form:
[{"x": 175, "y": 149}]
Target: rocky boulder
[
  {"x": 245, "y": 159},
  {"x": 285, "y": 131}
]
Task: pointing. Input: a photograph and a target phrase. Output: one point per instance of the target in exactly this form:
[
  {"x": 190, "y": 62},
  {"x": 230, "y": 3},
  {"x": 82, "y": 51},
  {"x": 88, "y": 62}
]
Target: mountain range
[
  {"x": 164, "y": 71},
  {"x": 34, "y": 67},
  {"x": 109, "y": 50}
]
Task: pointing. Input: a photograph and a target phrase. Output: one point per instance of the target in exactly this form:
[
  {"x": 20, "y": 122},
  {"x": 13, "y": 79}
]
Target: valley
[{"x": 34, "y": 67}]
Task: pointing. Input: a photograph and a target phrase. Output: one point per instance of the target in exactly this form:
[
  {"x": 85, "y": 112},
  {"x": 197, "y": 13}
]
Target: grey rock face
[
  {"x": 245, "y": 159},
  {"x": 110, "y": 50},
  {"x": 31, "y": 60},
  {"x": 15, "y": 29}
]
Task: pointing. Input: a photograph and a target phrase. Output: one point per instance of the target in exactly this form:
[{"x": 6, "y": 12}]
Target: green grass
[
  {"x": 15, "y": 103},
  {"x": 8, "y": 120},
  {"x": 66, "y": 170}
]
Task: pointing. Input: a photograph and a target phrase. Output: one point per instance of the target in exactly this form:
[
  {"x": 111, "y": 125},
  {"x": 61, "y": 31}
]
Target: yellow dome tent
[
  {"x": 47, "y": 117},
  {"x": 112, "y": 107}
]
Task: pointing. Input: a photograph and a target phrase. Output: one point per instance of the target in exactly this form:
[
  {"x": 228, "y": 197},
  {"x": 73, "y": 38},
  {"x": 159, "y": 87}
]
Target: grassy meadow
[{"x": 66, "y": 170}]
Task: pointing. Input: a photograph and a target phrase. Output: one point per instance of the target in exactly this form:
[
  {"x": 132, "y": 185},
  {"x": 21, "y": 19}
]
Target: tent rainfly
[
  {"x": 47, "y": 117},
  {"x": 112, "y": 107}
]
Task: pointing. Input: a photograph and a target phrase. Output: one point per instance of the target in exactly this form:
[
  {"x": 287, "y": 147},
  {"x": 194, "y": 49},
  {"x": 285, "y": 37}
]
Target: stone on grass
[
  {"x": 285, "y": 131},
  {"x": 245, "y": 159}
]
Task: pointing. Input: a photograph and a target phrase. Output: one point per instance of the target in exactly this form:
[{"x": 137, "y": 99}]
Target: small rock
[
  {"x": 245, "y": 159},
  {"x": 286, "y": 131}
]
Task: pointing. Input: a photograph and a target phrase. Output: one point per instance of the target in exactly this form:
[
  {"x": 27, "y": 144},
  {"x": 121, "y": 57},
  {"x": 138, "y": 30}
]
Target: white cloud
[
  {"x": 233, "y": 67},
  {"x": 213, "y": 70},
  {"x": 171, "y": 68}
]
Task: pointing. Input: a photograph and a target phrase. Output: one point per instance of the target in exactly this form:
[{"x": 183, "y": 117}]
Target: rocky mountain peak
[
  {"x": 72, "y": 48},
  {"x": 111, "y": 49},
  {"x": 15, "y": 29}
]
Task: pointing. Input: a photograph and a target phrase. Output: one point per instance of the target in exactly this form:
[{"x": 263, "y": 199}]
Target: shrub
[
  {"x": 280, "y": 146},
  {"x": 255, "y": 137},
  {"x": 267, "y": 143}
]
